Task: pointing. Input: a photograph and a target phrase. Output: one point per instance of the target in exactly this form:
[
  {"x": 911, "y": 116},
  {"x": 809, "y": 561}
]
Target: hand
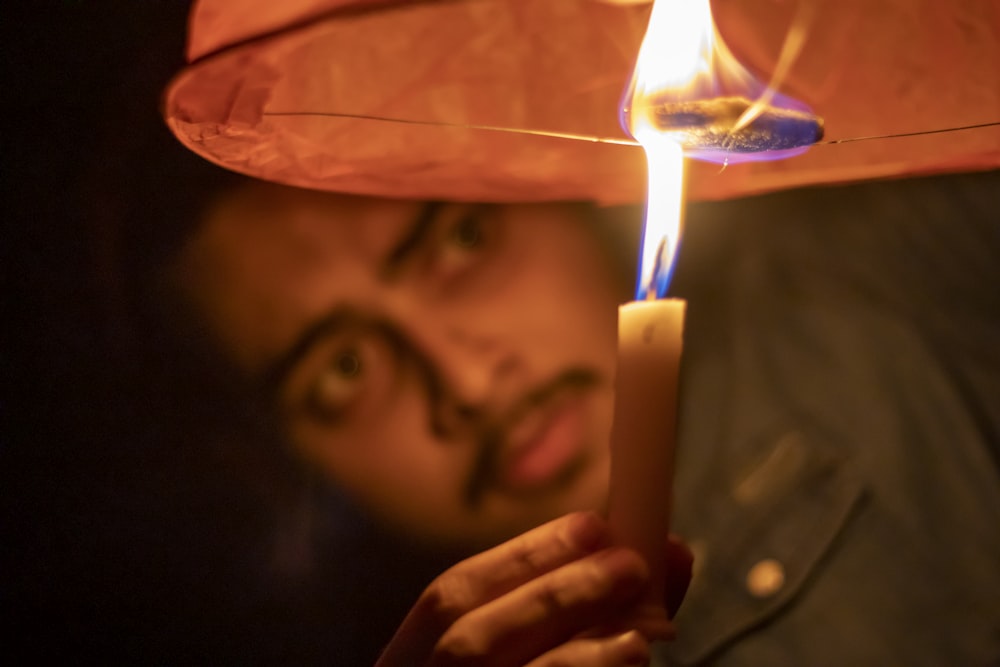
[{"x": 547, "y": 597}]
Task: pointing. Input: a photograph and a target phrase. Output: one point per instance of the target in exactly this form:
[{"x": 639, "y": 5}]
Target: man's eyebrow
[
  {"x": 276, "y": 374},
  {"x": 411, "y": 241}
]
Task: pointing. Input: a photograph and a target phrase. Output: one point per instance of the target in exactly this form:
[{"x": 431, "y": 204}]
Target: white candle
[
  {"x": 650, "y": 331},
  {"x": 650, "y": 337}
]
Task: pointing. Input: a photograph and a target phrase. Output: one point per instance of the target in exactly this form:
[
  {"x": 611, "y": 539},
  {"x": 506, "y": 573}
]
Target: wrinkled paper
[{"x": 376, "y": 97}]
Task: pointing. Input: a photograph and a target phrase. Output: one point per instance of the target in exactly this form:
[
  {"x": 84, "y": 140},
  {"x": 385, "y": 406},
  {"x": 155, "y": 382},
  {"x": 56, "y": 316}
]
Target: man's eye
[
  {"x": 347, "y": 364},
  {"x": 339, "y": 384},
  {"x": 467, "y": 233},
  {"x": 461, "y": 248}
]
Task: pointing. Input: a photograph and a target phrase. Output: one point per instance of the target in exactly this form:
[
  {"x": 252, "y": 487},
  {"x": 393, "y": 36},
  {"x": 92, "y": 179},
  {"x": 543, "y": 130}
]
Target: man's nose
[{"x": 477, "y": 365}]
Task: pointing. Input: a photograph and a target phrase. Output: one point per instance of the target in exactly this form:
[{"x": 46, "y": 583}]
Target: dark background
[
  {"x": 130, "y": 531},
  {"x": 93, "y": 541}
]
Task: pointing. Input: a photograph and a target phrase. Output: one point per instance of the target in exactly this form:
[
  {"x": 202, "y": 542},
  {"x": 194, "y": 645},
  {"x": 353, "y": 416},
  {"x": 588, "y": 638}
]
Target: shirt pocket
[{"x": 778, "y": 521}]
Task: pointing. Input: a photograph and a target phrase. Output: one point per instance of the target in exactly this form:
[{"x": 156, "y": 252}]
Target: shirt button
[{"x": 765, "y": 578}]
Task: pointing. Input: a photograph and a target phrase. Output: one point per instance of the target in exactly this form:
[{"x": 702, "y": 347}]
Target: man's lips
[
  {"x": 539, "y": 444},
  {"x": 543, "y": 444}
]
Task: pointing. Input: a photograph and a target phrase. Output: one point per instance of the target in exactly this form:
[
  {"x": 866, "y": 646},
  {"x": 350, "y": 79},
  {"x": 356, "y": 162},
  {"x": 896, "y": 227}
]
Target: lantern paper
[{"x": 376, "y": 97}]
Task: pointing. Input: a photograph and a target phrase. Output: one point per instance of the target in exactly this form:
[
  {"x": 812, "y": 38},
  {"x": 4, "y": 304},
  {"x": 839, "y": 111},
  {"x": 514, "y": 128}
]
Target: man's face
[{"x": 449, "y": 365}]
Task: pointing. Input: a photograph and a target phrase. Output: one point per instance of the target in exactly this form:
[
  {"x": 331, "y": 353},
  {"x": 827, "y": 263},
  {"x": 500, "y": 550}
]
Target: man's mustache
[{"x": 489, "y": 433}]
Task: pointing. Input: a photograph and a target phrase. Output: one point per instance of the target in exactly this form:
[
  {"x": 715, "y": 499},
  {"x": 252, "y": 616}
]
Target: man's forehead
[
  {"x": 269, "y": 260},
  {"x": 276, "y": 217}
]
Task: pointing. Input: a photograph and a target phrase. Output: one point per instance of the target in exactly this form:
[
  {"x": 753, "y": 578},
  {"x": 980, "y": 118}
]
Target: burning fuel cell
[{"x": 718, "y": 125}]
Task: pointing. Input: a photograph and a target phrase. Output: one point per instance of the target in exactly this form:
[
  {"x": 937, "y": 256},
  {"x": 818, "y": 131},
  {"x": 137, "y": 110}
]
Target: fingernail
[
  {"x": 634, "y": 648},
  {"x": 659, "y": 630},
  {"x": 651, "y": 621}
]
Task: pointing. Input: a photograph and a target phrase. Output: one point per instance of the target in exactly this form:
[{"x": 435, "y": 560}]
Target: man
[
  {"x": 448, "y": 352},
  {"x": 420, "y": 359},
  {"x": 448, "y": 366}
]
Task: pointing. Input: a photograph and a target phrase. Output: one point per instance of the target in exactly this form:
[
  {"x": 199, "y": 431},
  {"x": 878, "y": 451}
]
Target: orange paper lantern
[{"x": 392, "y": 98}]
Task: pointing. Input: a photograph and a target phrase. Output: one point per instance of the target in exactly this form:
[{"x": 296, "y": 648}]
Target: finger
[
  {"x": 492, "y": 573},
  {"x": 650, "y": 618},
  {"x": 626, "y": 649},
  {"x": 546, "y": 611},
  {"x": 486, "y": 576},
  {"x": 680, "y": 564}
]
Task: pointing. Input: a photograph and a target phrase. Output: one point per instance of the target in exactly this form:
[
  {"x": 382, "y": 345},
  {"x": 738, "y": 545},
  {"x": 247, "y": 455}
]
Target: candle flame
[
  {"x": 690, "y": 97},
  {"x": 664, "y": 211},
  {"x": 676, "y": 54}
]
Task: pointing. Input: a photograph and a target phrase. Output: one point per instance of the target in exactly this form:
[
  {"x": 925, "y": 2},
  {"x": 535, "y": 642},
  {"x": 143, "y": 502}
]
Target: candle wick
[{"x": 656, "y": 285}]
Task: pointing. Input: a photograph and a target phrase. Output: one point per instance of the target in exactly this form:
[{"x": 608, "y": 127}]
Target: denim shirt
[{"x": 837, "y": 465}]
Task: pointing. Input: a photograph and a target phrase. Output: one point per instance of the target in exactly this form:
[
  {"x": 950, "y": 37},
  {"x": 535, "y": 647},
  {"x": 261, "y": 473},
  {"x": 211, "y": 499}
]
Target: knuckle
[
  {"x": 445, "y": 600},
  {"x": 554, "y": 597},
  {"x": 615, "y": 573},
  {"x": 528, "y": 558},
  {"x": 597, "y": 578},
  {"x": 568, "y": 537}
]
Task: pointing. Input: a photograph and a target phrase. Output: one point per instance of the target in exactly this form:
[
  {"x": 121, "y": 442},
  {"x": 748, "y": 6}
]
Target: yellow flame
[
  {"x": 680, "y": 56},
  {"x": 678, "y": 47},
  {"x": 664, "y": 203}
]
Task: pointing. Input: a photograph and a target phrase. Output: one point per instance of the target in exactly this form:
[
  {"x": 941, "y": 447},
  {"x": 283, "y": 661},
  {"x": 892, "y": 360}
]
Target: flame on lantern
[{"x": 683, "y": 59}]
